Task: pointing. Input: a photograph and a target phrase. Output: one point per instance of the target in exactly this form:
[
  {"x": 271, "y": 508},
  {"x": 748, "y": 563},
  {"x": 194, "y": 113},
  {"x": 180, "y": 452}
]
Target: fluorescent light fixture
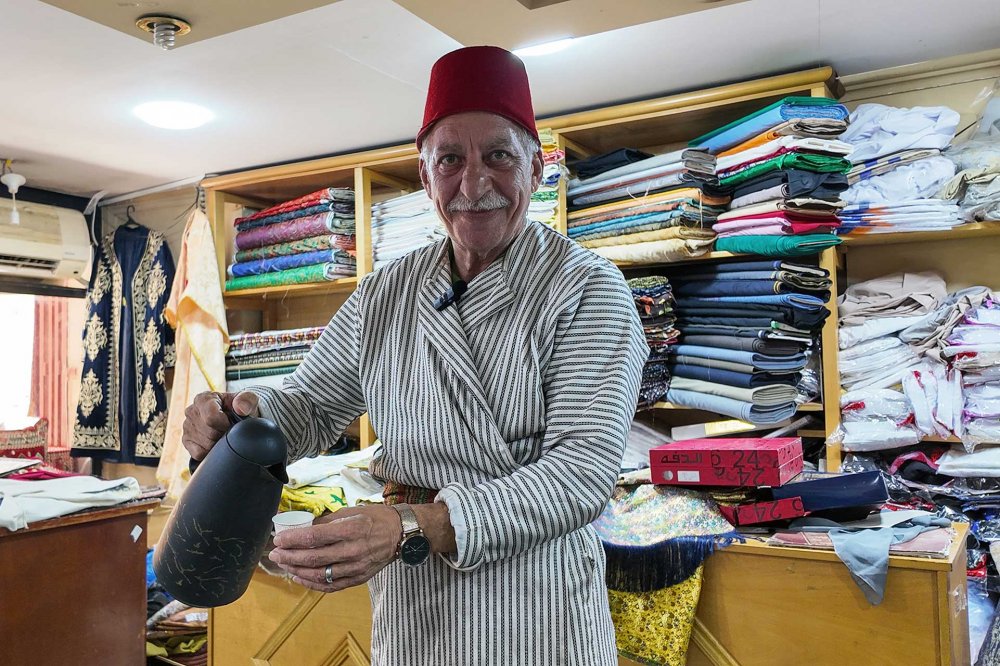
[
  {"x": 544, "y": 49},
  {"x": 173, "y": 115}
]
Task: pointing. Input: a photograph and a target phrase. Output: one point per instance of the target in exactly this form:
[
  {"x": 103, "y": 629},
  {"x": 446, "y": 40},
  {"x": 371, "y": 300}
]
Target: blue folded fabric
[
  {"x": 283, "y": 263},
  {"x": 746, "y": 128},
  {"x": 800, "y": 301},
  {"x": 717, "y": 288},
  {"x": 764, "y": 265},
  {"x": 762, "y": 361},
  {"x": 744, "y": 411},
  {"x": 731, "y": 377},
  {"x": 621, "y": 223}
]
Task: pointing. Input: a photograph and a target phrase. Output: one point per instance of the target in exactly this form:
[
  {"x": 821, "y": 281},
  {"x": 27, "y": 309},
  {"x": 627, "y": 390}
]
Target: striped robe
[{"x": 516, "y": 405}]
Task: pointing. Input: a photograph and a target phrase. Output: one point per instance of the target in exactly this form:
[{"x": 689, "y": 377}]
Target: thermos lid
[{"x": 258, "y": 441}]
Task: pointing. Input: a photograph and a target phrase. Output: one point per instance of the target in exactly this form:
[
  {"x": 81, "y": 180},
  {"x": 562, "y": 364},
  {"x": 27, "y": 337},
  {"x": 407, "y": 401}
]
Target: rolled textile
[
  {"x": 804, "y": 161},
  {"x": 292, "y": 230},
  {"x": 693, "y": 233},
  {"x": 674, "y": 249},
  {"x": 745, "y": 411},
  {"x": 732, "y": 378},
  {"x": 289, "y": 261},
  {"x": 323, "y": 242},
  {"x": 778, "y": 246},
  {"x": 301, "y": 275},
  {"x": 767, "y": 118},
  {"x": 319, "y": 197},
  {"x": 773, "y": 395},
  {"x": 248, "y": 343}
]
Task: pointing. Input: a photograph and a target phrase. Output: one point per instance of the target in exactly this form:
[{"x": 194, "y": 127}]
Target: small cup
[{"x": 291, "y": 519}]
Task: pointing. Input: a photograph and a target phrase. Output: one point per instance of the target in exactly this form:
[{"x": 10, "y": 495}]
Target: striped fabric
[{"x": 517, "y": 406}]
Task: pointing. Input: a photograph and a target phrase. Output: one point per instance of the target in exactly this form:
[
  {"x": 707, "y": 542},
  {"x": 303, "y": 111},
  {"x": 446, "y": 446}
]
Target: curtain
[{"x": 50, "y": 371}]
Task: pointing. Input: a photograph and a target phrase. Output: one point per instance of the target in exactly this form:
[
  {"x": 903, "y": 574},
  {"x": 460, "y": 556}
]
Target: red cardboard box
[
  {"x": 763, "y": 512},
  {"x": 727, "y": 462}
]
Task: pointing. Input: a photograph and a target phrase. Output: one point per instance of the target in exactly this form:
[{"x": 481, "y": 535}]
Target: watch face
[{"x": 415, "y": 550}]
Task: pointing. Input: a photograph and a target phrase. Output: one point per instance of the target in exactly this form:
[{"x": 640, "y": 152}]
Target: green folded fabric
[
  {"x": 300, "y": 275},
  {"x": 257, "y": 373},
  {"x": 778, "y": 246},
  {"x": 804, "y": 161},
  {"x": 793, "y": 100}
]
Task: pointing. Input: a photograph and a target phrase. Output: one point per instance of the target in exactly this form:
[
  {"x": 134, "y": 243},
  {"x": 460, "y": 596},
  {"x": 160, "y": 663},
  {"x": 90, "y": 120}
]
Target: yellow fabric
[
  {"x": 637, "y": 203},
  {"x": 176, "y": 645},
  {"x": 317, "y": 500},
  {"x": 662, "y": 251},
  {"x": 547, "y": 139},
  {"x": 655, "y": 627},
  {"x": 197, "y": 312},
  {"x": 646, "y": 236}
]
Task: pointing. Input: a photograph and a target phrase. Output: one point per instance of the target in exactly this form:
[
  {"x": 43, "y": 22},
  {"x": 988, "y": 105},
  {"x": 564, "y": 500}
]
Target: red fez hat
[{"x": 479, "y": 78}]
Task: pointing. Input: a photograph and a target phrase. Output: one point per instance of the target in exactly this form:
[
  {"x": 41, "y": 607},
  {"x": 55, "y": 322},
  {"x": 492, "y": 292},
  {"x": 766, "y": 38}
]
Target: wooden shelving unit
[{"x": 970, "y": 230}]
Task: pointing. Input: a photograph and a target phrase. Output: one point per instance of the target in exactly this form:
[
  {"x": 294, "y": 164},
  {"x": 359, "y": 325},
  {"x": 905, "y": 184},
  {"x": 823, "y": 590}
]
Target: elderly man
[{"x": 500, "y": 369}]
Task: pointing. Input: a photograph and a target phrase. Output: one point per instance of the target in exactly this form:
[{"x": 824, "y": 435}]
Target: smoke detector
[{"x": 165, "y": 29}]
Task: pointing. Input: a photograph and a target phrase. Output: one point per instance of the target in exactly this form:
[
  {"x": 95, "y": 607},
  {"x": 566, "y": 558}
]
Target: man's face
[{"x": 480, "y": 179}]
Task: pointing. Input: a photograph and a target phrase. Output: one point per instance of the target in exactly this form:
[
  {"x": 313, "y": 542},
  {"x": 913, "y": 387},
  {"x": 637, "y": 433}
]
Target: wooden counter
[{"x": 73, "y": 589}]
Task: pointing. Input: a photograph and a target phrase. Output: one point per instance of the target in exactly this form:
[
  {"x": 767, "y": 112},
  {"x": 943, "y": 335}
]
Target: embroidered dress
[{"x": 121, "y": 414}]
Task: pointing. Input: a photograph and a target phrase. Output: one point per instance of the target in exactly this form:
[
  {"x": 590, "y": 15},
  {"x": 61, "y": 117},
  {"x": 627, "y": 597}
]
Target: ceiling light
[
  {"x": 173, "y": 115},
  {"x": 543, "y": 49}
]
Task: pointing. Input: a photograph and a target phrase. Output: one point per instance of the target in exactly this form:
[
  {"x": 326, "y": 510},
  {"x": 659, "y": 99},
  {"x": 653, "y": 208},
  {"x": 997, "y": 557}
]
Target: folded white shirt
[{"x": 876, "y": 129}]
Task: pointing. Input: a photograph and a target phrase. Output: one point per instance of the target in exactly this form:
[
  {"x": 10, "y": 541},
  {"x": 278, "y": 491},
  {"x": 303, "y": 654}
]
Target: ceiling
[{"x": 352, "y": 74}]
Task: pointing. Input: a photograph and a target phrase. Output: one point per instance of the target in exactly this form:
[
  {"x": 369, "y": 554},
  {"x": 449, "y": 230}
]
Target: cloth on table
[
  {"x": 317, "y": 500},
  {"x": 301, "y": 275},
  {"x": 778, "y": 246},
  {"x": 882, "y": 165},
  {"x": 768, "y": 118},
  {"x": 293, "y": 230},
  {"x": 896, "y": 295},
  {"x": 772, "y": 395},
  {"x": 26, "y": 502},
  {"x": 876, "y": 129},
  {"x": 312, "y": 244},
  {"x": 917, "y": 180},
  {"x": 789, "y": 183}
]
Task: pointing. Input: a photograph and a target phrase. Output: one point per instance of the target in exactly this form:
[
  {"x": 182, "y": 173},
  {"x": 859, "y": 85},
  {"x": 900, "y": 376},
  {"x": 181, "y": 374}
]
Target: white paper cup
[{"x": 291, "y": 519}]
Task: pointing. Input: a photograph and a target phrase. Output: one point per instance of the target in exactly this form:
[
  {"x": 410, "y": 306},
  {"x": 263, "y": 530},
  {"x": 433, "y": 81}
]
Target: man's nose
[{"x": 475, "y": 181}]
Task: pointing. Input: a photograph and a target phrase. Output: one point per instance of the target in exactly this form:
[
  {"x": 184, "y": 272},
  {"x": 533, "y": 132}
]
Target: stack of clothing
[
  {"x": 265, "y": 358},
  {"x": 784, "y": 169},
  {"x": 309, "y": 239},
  {"x": 180, "y": 633},
  {"x": 973, "y": 351},
  {"x": 745, "y": 328},
  {"x": 976, "y": 187},
  {"x": 544, "y": 204},
  {"x": 402, "y": 225},
  {"x": 654, "y": 300},
  {"x": 898, "y": 170}
]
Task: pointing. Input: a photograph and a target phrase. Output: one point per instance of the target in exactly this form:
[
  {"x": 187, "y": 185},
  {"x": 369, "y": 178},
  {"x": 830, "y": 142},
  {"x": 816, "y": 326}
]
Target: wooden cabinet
[{"x": 73, "y": 589}]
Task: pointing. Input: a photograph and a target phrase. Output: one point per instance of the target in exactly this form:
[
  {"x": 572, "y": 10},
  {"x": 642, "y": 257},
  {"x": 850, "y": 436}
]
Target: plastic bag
[
  {"x": 876, "y": 405},
  {"x": 873, "y": 436}
]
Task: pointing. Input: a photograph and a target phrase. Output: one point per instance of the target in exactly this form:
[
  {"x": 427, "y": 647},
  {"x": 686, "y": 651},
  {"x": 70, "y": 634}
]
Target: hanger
[{"x": 130, "y": 222}]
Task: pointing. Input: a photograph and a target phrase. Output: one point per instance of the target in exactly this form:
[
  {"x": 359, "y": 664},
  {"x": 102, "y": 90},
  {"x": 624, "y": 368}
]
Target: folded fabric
[
  {"x": 769, "y": 347},
  {"x": 301, "y": 275},
  {"x": 343, "y": 213},
  {"x": 323, "y": 196},
  {"x": 794, "y": 207},
  {"x": 634, "y": 190},
  {"x": 598, "y": 164},
  {"x": 622, "y": 225},
  {"x": 23, "y": 502},
  {"x": 774, "y": 395},
  {"x": 731, "y": 377},
  {"x": 665, "y": 251},
  {"x": 685, "y": 233},
  {"x": 806, "y": 282},
  {"x": 293, "y": 230},
  {"x": 789, "y": 183},
  {"x": 805, "y": 161},
  {"x": 654, "y": 167},
  {"x": 257, "y": 373},
  {"x": 779, "y": 146},
  {"x": 763, "y": 333},
  {"x": 983, "y": 462},
  {"x": 753, "y": 124},
  {"x": 765, "y": 265},
  {"x": 745, "y": 411},
  {"x": 897, "y": 295},
  {"x": 918, "y": 180},
  {"x": 714, "y": 363},
  {"x": 286, "y": 262},
  {"x": 876, "y": 129},
  {"x": 644, "y": 165},
  {"x": 801, "y": 301},
  {"x": 324, "y": 242},
  {"x": 633, "y": 206},
  {"x": 723, "y": 288},
  {"x": 778, "y": 246},
  {"x": 761, "y": 361},
  {"x": 881, "y": 165},
  {"x": 820, "y": 128},
  {"x": 776, "y": 227},
  {"x": 875, "y": 405}
]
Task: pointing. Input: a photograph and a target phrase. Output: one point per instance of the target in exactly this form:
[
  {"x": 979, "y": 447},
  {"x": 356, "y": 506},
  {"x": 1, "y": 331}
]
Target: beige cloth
[
  {"x": 646, "y": 236},
  {"x": 928, "y": 336},
  {"x": 198, "y": 314},
  {"x": 897, "y": 295},
  {"x": 663, "y": 251}
]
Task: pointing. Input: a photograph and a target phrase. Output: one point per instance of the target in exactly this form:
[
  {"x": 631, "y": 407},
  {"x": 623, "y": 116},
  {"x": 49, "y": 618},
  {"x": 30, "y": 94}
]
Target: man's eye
[
  {"x": 500, "y": 154},
  {"x": 449, "y": 160}
]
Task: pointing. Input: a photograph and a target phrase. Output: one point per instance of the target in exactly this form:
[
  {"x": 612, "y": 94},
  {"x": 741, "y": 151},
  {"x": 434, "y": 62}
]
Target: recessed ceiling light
[
  {"x": 544, "y": 49},
  {"x": 173, "y": 115}
]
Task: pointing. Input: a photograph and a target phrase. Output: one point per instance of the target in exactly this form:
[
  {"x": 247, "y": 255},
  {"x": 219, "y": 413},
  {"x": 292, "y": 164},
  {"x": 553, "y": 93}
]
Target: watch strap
[{"x": 408, "y": 519}]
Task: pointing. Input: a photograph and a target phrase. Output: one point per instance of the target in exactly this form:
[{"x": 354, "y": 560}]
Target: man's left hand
[{"x": 356, "y": 543}]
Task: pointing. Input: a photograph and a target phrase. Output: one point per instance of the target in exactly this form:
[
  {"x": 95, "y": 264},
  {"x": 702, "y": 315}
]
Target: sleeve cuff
[{"x": 463, "y": 559}]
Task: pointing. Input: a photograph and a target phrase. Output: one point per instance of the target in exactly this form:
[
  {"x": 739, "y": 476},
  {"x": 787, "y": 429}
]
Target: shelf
[
  {"x": 340, "y": 286},
  {"x": 971, "y": 230},
  {"x": 807, "y": 407}
]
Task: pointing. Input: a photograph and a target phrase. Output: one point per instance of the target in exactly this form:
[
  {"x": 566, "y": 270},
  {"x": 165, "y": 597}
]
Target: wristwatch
[{"x": 414, "y": 548}]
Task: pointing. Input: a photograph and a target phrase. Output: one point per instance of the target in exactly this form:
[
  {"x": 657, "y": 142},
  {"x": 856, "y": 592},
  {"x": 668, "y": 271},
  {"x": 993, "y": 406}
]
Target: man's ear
[
  {"x": 424, "y": 180},
  {"x": 537, "y": 166}
]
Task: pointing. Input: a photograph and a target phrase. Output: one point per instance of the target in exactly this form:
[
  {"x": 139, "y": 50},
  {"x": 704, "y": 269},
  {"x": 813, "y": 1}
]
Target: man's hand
[
  {"x": 356, "y": 543},
  {"x": 205, "y": 422}
]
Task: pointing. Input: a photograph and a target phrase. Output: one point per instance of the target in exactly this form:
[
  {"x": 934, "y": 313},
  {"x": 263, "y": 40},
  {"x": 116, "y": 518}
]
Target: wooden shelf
[
  {"x": 807, "y": 407},
  {"x": 971, "y": 230},
  {"x": 339, "y": 286}
]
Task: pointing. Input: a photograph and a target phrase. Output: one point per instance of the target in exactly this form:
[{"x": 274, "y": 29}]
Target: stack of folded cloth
[
  {"x": 654, "y": 300},
  {"x": 745, "y": 327},
  {"x": 898, "y": 170},
  {"x": 180, "y": 633},
  {"x": 402, "y": 225},
  {"x": 612, "y": 180},
  {"x": 309, "y": 239},
  {"x": 544, "y": 204},
  {"x": 269, "y": 354},
  {"x": 976, "y": 187},
  {"x": 973, "y": 350},
  {"x": 784, "y": 169}
]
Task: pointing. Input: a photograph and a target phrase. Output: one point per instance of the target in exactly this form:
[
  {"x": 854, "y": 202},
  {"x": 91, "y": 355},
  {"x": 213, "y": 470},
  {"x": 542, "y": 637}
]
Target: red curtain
[{"x": 50, "y": 368}]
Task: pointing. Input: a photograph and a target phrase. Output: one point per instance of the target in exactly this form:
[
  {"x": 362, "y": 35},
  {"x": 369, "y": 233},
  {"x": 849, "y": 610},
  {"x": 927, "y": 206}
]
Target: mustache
[{"x": 490, "y": 201}]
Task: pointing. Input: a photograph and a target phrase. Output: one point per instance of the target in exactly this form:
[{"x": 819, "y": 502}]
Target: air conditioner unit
[{"x": 40, "y": 241}]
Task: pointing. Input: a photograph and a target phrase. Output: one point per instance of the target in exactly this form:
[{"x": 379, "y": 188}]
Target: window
[{"x": 17, "y": 333}]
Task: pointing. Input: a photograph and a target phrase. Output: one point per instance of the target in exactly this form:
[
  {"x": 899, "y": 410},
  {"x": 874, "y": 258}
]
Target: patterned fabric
[
  {"x": 301, "y": 275},
  {"x": 319, "y": 197},
  {"x": 262, "y": 372},
  {"x": 121, "y": 415},
  {"x": 343, "y": 218},
  {"x": 324, "y": 242},
  {"x": 292, "y": 230},
  {"x": 522, "y": 399},
  {"x": 317, "y": 500},
  {"x": 35, "y": 436},
  {"x": 287, "y": 262},
  {"x": 248, "y": 343}
]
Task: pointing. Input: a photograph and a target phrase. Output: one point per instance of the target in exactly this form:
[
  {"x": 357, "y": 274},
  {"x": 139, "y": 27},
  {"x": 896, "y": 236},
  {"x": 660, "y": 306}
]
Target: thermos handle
[{"x": 234, "y": 418}]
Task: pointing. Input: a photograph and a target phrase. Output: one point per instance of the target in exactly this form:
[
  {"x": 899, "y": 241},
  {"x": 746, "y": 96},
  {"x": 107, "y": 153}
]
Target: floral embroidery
[
  {"x": 147, "y": 402},
  {"x": 150, "y": 342},
  {"x": 101, "y": 283},
  {"x": 161, "y": 375},
  {"x": 95, "y": 338},
  {"x": 90, "y": 393},
  {"x": 157, "y": 284},
  {"x": 149, "y": 444}
]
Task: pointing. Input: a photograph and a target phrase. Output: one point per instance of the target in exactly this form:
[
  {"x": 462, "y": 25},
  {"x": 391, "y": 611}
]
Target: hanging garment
[
  {"x": 121, "y": 415},
  {"x": 521, "y": 393},
  {"x": 197, "y": 313}
]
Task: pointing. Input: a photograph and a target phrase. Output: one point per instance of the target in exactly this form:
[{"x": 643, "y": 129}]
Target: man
[{"x": 500, "y": 369}]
